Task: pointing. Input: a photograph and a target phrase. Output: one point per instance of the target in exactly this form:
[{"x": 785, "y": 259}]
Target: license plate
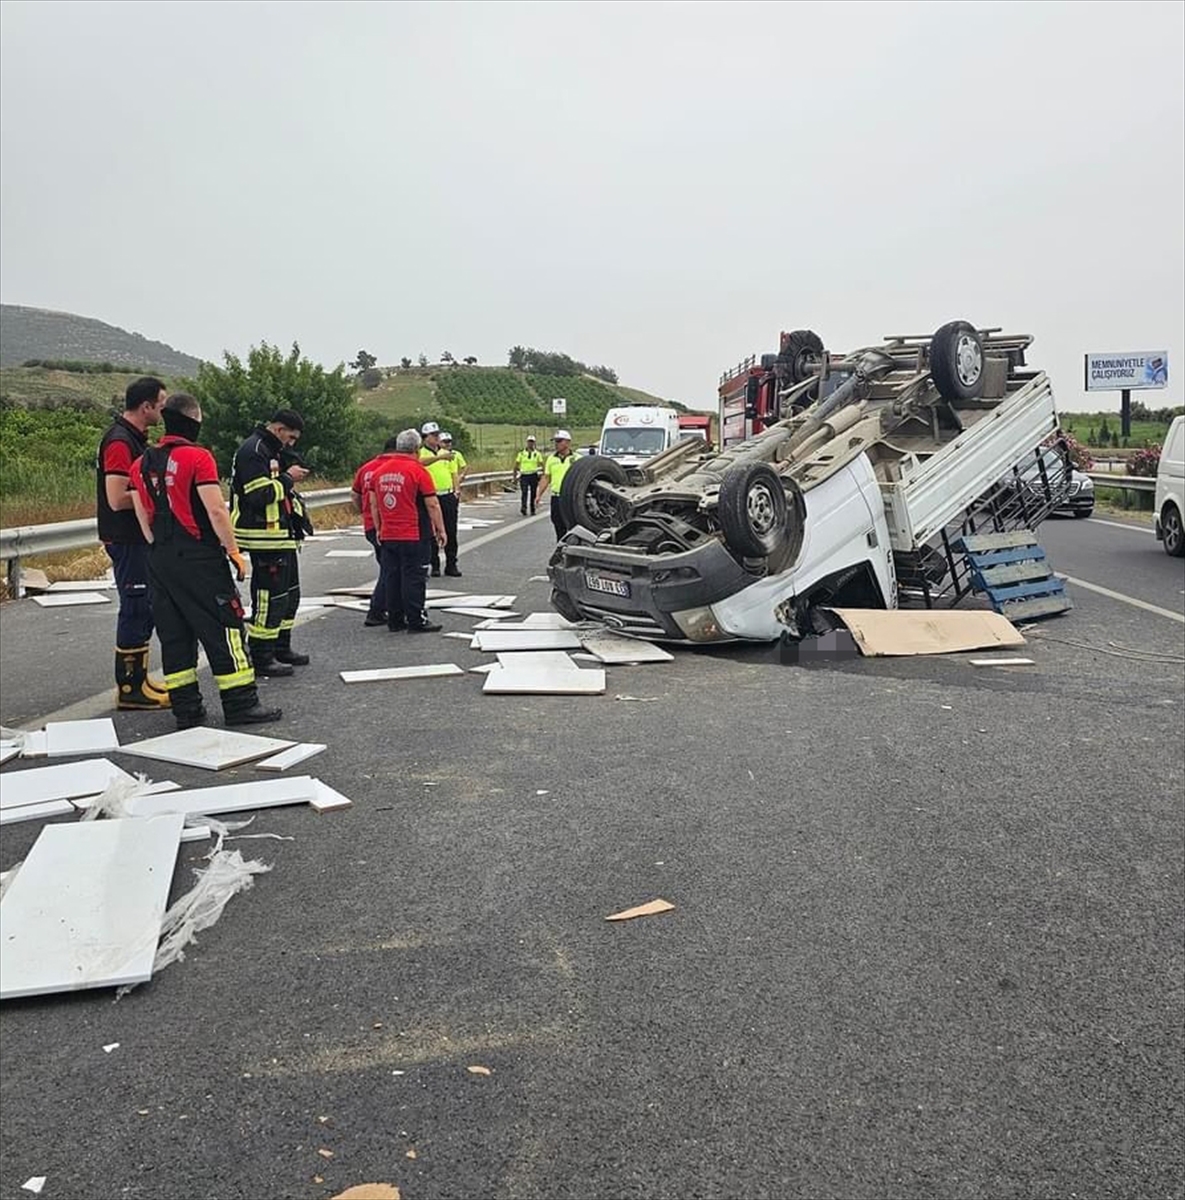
[{"x": 602, "y": 583}]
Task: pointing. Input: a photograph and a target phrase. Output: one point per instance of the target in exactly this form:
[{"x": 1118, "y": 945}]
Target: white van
[
  {"x": 637, "y": 432},
  {"x": 1169, "y": 504}
]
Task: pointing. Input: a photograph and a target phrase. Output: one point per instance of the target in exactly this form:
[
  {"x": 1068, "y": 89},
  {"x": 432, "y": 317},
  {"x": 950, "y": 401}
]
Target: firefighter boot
[
  {"x": 240, "y": 706},
  {"x": 285, "y": 654},
  {"x": 263, "y": 657},
  {"x": 134, "y": 690},
  {"x": 188, "y": 708}
]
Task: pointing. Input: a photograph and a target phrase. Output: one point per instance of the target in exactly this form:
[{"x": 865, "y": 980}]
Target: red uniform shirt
[
  {"x": 400, "y": 484},
  {"x": 190, "y": 467},
  {"x": 117, "y": 458},
  {"x": 362, "y": 487}
]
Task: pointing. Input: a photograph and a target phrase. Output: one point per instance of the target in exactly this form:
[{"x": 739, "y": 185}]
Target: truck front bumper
[{"x": 663, "y": 597}]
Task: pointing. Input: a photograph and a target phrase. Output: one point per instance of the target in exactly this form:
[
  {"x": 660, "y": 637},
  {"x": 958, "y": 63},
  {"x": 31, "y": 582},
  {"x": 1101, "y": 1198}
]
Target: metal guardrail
[
  {"x": 1127, "y": 483},
  {"x": 24, "y": 541}
]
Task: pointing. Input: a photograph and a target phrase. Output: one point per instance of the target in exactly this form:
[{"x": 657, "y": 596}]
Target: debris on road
[
  {"x": 210, "y": 749},
  {"x": 902, "y": 632},
  {"x": 383, "y": 674},
  {"x": 476, "y": 1070},
  {"x": 110, "y": 1047},
  {"x": 653, "y": 908},
  {"x": 1001, "y": 662},
  {"x": 34, "y": 1185},
  {"x": 369, "y": 1191}
]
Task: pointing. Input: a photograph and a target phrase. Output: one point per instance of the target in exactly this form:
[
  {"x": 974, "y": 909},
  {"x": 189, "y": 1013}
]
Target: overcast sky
[{"x": 659, "y": 187}]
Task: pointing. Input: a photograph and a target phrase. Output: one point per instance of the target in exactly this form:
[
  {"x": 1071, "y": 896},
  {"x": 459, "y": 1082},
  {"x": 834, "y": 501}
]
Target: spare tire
[
  {"x": 752, "y": 510},
  {"x": 801, "y": 356},
  {"x": 956, "y": 361},
  {"x": 587, "y": 504}
]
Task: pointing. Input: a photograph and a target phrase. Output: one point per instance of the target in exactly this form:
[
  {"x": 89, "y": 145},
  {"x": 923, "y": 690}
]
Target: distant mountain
[{"x": 27, "y": 333}]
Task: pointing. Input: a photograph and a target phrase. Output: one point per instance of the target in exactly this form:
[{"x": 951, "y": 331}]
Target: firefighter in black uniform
[
  {"x": 266, "y": 521},
  {"x": 179, "y": 505},
  {"x": 120, "y": 534}
]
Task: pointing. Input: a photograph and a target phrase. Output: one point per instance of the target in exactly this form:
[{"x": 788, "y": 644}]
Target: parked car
[
  {"x": 1169, "y": 503},
  {"x": 1079, "y": 496}
]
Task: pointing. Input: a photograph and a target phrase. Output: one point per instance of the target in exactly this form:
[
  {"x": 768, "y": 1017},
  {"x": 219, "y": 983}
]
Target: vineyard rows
[{"x": 496, "y": 397}]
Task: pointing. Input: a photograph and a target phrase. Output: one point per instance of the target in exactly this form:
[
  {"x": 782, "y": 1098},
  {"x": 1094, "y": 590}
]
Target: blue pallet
[{"x": 1029, "y": 589}]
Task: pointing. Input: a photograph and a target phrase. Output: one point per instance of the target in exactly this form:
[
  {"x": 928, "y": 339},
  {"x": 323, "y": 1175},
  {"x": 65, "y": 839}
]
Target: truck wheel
[
  {"x": 956, "y": 361},
  {"x": 1172, "y": 531},
  {"x": 801, "y": 356},
  {"x": 752, "y": 509},
  {"x": 589, "y": 506}
]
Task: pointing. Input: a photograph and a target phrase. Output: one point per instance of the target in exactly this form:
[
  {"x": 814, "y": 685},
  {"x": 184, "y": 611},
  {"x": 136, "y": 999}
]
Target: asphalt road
[{"x": 927, "y": 938}]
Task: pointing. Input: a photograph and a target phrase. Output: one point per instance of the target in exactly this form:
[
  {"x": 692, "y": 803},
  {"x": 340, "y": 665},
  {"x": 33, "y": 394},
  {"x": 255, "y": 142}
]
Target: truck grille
[{"x": 632, "y": 623}]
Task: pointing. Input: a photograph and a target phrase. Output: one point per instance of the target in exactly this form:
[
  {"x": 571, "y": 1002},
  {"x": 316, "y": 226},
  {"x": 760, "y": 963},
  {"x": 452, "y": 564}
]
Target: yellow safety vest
[
  {"x": 458, "y": 465},
  {"x": 529, "y": 462},
  {"x": 441, "y": 472},
  {"x": 557, "y": 468}
]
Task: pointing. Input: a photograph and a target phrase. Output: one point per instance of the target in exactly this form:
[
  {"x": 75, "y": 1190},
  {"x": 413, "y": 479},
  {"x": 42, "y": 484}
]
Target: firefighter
[
  {"x": 120, "y": 533},
  {"x": 178, "y": 504},
  {"x": 554, "y": 471},
  {"x": 266, "y": 521},
  {"x": 527, "y": 465},
  {"x": 438, "y": 461},
  {"x": 376, "y": 614}
]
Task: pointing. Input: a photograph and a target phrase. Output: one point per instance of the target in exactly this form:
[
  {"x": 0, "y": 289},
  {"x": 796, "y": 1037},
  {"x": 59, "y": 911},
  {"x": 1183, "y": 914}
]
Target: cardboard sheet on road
[{"x": 882, "y": 633}]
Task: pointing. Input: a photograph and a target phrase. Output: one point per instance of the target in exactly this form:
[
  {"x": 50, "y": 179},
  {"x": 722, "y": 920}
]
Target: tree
[
  {"x": 405, "y": 363},
  {"x": 1104, "y": 433},
  {"x": 447, "y": 357},
  {"x": 370, "y": 378},
  {"x": 238, "y": 396},
  {"x": 470, "y": 360},
  {"x": 363, "y": 362},
  {"x": 518, "y": 358},
  {"x": 423, "y": 360}
]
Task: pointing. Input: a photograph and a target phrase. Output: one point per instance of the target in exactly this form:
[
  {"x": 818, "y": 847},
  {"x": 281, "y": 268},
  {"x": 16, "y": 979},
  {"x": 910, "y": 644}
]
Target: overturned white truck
[{"x": 858, "y": 498}]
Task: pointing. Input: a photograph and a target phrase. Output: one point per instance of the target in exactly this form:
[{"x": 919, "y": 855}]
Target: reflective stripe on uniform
[
  {"x": 238, "y": 679},
  {"x": 238, "y": 651},
  {"x": 180, "y": 679}
]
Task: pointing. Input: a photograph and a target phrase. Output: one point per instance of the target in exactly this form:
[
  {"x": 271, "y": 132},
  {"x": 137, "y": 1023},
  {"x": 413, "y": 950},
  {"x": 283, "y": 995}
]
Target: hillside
[{"x": 28, "y": 333}]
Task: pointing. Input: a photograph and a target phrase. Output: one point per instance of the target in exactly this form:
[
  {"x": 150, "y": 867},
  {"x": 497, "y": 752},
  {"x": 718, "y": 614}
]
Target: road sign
[
  {"x": 559, "y": 406},
  {"x": 1132, "y": 371}
]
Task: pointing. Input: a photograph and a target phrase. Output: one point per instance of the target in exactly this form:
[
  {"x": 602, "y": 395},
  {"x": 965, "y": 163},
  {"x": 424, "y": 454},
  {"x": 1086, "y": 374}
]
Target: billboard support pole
[{"x": 1125, "y": 413}]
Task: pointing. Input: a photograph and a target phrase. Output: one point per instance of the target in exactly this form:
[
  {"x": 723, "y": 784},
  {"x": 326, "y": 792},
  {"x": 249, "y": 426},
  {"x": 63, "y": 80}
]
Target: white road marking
[
  {"x": 1120, "y": 525},
  {"x": 1102, "y": 591}
]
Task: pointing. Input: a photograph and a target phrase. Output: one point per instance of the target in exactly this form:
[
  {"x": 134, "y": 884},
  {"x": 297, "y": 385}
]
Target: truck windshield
[{"x": 632, "y": 441}]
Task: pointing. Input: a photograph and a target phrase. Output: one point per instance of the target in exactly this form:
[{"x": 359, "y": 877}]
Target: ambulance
[{"x": 637, "y": 432}]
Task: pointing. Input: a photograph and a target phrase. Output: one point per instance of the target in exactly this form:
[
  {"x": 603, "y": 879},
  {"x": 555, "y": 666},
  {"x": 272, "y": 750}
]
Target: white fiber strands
[
  {"x": 112, "y": 801},
  {"x": 199, "y": 908}
]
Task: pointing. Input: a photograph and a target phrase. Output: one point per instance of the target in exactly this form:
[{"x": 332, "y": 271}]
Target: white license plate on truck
[{"x": 606, "y": 584}]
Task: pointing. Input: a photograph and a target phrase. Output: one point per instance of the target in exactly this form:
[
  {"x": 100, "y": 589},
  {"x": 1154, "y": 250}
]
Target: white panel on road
[
  {"x": 353, "y": 605},
  {"x": 326, "y": 799},
  {"x": 440, "y": 593},
  {"x": 618, "y": 650},
  {"x": 211, "y": 749},
  {"x": 552, "y": 660},
  {"x": 85, "y": 908},
  {"x": 290, "y": 758},
  {"x": 456, "y": 599},
  {"x": 35, "y": 812},
  {"x": 494, "y": 640},
  {"x": 544, "y": 681},
  {"x": 382, "y": 674},
  {"x": 36, "y": 745},
  {"x": 365, "y": 590},
  {"x": 349, "y": 554},
  {"x": 10, "y": 750},
  {"x": 80, "y": 737},
  {"x": 62, "y": 782},
  {"x": 149, "y": 789},
  {"x": 466, "y": 636},
  {"x": 545, "y": 620},
  {"x": 481, "y": 614},
  {"x": 81, "y": 585},
  {"x": 69, "y": 599},
  {"x": 228, "y": 797}
]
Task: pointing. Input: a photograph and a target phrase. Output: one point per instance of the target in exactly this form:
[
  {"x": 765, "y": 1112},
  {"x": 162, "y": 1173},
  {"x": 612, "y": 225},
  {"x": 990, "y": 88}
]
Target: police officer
[
  {"x": 265, "y": 518},
  {"x": 120, "y": 533},
  {"x": 527, "y": 465},
  {"x": 437, "y": 459},
  {"x": 178, "y": 504},
  {"x": 554, "y": 470}
]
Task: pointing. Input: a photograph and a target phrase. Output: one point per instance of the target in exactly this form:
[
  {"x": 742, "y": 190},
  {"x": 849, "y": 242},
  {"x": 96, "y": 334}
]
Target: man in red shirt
[
  {"x": 361, "y": 492},
  {"x": 179, "y": 506},
  {"x": 407, "y": 514},
  {"x": 120, "y": 534}
]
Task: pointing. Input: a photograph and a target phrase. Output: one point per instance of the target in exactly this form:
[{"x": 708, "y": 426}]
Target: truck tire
[
  {"x": 801, "y": 356},
  {"x": 588, "y": 505},
  {"x": 956, "y": 361},
  {"x": 752, "y": 510},
  {"x": 1172, "y": 531}
]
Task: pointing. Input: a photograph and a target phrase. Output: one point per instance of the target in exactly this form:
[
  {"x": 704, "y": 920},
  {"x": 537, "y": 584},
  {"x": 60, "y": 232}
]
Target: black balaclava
[{"x": 179, "y": 425}]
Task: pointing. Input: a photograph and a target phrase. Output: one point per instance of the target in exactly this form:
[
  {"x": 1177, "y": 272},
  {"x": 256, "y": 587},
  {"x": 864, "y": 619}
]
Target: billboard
[{"x": 1127, "y": 372}]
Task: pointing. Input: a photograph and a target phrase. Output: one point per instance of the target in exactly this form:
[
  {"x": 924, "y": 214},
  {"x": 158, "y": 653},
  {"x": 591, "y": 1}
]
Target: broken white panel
[
  {"x": 495, "y": 640},
  {"x": 62, "y": 782},
  {"x": 317, "y": 601},
  {"x": 80, "y": 737},
  {"x": 458, "y": 600},
  {"x": 147, "y": 789},
  {"x": 327, "y": 799},
  {"x": 195, "y": 833},
  {"x": 353, "y": 605},
  {"x": 484, "y": 522},
  {"x": 468, "y": 637},
  {"x": 440, "y": 593},
  {"x": 546, "y": 620},
  {"x": 36, "y": 812},
  {"x": 481, "y": 614},
  {"x": 81, "y": 585},
  {"x": 587, "y": 658},
  {"x": 68, "y": 599},
  {"x": 552, "y": 660},
  {"x": 1001, "y": 662},
  {"x": 10, "y": 750},
  {"x": 227, "y": 798},
  {"x": 484, "y": 669},
  {"x": 618, "y": 650},
  {"x": 381, "y": 674},
  {"x": 365, "y": 590},
  {"x": 544, "y": 681},
  {"x": 349, "y": 554},
  {"x": 85, "y": 909},
  {"x": 210, "y": 749},
  {"x": 35, "y": 745},
  {"x": 290, "y": 757}
]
